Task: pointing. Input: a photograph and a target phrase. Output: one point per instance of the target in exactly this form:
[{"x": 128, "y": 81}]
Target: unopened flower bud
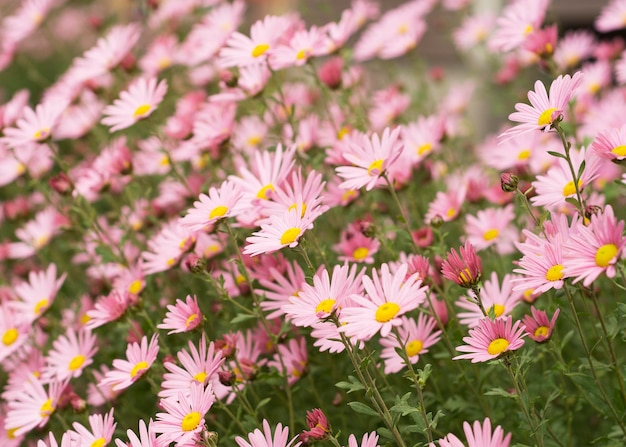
[
  {"x": 436, "y": 221},
  {"x": 509, "y": 182},
  {"x": 226, "y": 378},
  {"x": 61, "y": 183},
  {"x": 330, "y": 72},
  {"x": 194, "y": 263}
]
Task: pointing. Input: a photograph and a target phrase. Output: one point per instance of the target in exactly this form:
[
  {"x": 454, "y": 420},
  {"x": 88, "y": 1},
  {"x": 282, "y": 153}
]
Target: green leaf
[
  {"x": 557, "y": 154},
  {"x": 580, "y": 170},
  {"x": 351, "y": 386},
  {"x": 263, "y": 402},
  {"x": 573, "y": 201},
  {"x": 240, "y": 318},
  {"x": 360, "y": 407},
  {"x": 106, "y": 253},
  {"x": 500, "y": 392}
]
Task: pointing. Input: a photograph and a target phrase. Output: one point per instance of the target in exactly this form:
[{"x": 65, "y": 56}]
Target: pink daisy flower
[
  {"x": 139, "y": 359},
  {"x": 539, "y": 327},
  {"x": 464, "y": 269},
  {"x": 542, "y": 268},
  {"x": 573, "y": 48},
  {"x": 303, "y": 45},
  {"x": 492, "y": 227},
  {"x": 98, "y": 394},
  {"x": 280, "y": 287},
  {"x": 499, "y": 301},
  {"x": 491, "y": 338},
  {"x": 594, "y": 249},
  {"x": 291, "y": 359},
  {"x": 134, "y": 104},
  {"x": 279, "y": 231},
  {"x": 70, "y": 355},
  {"x": 264, "y": 438},
  {"x": 184, "y": 418},
  {"x": 545, "y": 109},
  {"x": 38, "y": 294},
  {"x": 477, "y": 436},
  {"x": 199, "y": 365},
  {"x": 473, "y": 30},
  {"x": 517, "y": 21},
  {"x": 219, "y": 204},
  {"x": 14, "y": 330},
  {"x": 368, "y": 440},
  {"x": 446, "y": 205},
  {"x": 166, "y": 247},
  {"x": 146, "y": 438},
  {"x": 33, "y": 406},
  {"x": 100, "y": 430},
  {"x": 388, "y": 297},
  {"x": 417, "y": 337},
  {"x": 327, "y": 294},
  {"x": 107, "y": 308},
  {"x": 611, "y": 17},
  {"x": 354, "y": 246},
  {"x": 611, "y": 143},
  {"x": 422, "y": 137},
  {"x": 184, "y": 316},
  {"x": 34, "y": 126},
  {"x": 371, "y": 158}
]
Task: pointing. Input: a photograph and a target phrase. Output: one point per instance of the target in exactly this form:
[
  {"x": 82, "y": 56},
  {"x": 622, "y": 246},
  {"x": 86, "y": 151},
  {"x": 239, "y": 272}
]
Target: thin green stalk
[
  {"x": 567, "y": 146},
  {"x": 405, "y": 216}
]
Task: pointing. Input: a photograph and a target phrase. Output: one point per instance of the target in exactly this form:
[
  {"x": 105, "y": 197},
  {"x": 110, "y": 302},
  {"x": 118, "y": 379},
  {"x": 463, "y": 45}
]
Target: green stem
[
  {"x": 405, "y": 216},
  {"x": 567, "y": 146}
]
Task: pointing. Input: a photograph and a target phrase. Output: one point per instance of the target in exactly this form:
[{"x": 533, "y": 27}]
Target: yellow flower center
[
  {"x": 348, "y": 195},
  {"x": 262, "y": 194},
  {"x": 414, "y": 347},
  {"x": 570, "y": 189},
  {"x": 141, "y": 110},
  {"x": 41, "y": 306},
  {"x": 497, "y": 309},
  {"x": 84, "y": 319},
  {"x": 41, "y": 241},
  {"x": 498, "y": 346},
  {"x": 451, "y": 212},
  {"x": 138, "y": 368},
  {"x": 76, "y": 362},
  {"x": 240, "y": 279},
  {"x": 325, "y": 306},
  {"x": 386, "y": 312},
  {"x": 10, "y": 336},
  {"x": 529, "y": 29},
  {"x": 290, "y": 236},
  {"x": 135, "y": 287},
  {"x": 491, "y": 234},
  {"x": 46, "y": 409},
  {"x": 360, "y": 253},
  {"x": 254, "y": 140},
  {"x": 260, "y": 49},
  {"x": 555, "y": 273},
  {"x": 402, "y": 28},
  {"x": 465, "y": 276},
  {"x": 620, "y": 151},
  {"x": 191, "y": 421},
  {"x": 523, "y": 155},
  {"x": 303, "y": 54},
  {"x": 41, "y": 134},
  {"x": 295, "y": 206},
  {"x": 605, "y": 255},
  {"x": 190, "y": 319},
  {"x": 424, "y": 149},
  {"x": 541, "y": 331},
  {"x": 546, "y": 117},
  {"x": 170, "y": 262},
  {"x": 165, "y": 161},
  {"x": 100, "y": 442},
  {"x": 218, "y": 211},
  {"x": 200, "y": 377},
  {"x": 343, "y": 132},
  {"x": 376, "y": 168}
]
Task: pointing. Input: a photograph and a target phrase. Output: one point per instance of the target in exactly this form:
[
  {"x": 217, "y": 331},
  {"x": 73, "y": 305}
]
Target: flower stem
[
  {"x": 405, "y": 216},
  {"x": 567, "y": 146}
]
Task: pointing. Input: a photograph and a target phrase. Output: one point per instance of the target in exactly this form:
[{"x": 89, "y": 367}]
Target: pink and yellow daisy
[
  {"x": 264, "y": 438},
  {"x": 219, "y": 204},
  {"x": 546, "y": 108},
  {"x": 184, "y": 316},
  {"x": 99, "y": 433},
  {"x": 38, "y": 294},
  {"x": 464, "y": 269},
  {"x": 34, "y": 126},
  {"x": 491, "y": 338},
  {"x": 492, "y": 227},
  {"x": 611, "y": 143},
  {"x": 478, "y": 435},
  {"x": 388, "y": 297},
  {"x": 611, "y": 16},
  {"x": 134, "y": 104},
  {"x": 538, "y": 327},
  {"x": 146, "y": 438},
  {"x": 70, "y": 355},
  {"x": 139, "y": 358}
]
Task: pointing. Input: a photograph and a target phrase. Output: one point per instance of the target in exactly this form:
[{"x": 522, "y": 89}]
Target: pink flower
[
  {"x": 139, "y": 359},
  {"x": 100, "y": 433},
  {"x": 611, "y": 143},
  {"x": 473, "y": 30},
  {"x": 14, "y": 330},
  {"x": 417, "y": 337},
  {"x": 611, "y": 17},
  {"x": 477, "y": 436},
  {"x": 371, "y": 158},
  {"x": 573, "y": 48},
  {"x": 70, "y": 355},
  {"x": 264, "y": 438},
  {"x": 539, "y": 327},
  {"x": 595, "y": 249},
  {"x": 464, "y": 270},
  {"x": 491, "y": 338},
  {"x": 146, "y": 438},
  {"x": 319, "y": 428},
  {"x": 35, "y": 125},
  {"x": 422, "y": 137},
  {"x": 219, "y": 204},
  {"x": 184, "y": 316},
  {"x": 108, "y": 308},
  {"x": 518, "y": 20},
  {"x": 280, "y": 287},
  {"x": 291, "y": 359},
  {"x": 368, "y": 440},
  {"x": 499, "y": 301},
  {"x": 354, "y": 246},
  {"x": 303, "y": 45},
  {"x": 38, "y": 294},
  {"x": 546, "y": 109},
  {"x": 388, "y": 297},
  {"x": 184, "y": 417},
  {"x": 134, "y": 104},
  {"x": 492, "y": 227},
  {"x": 446, "y": 205}
]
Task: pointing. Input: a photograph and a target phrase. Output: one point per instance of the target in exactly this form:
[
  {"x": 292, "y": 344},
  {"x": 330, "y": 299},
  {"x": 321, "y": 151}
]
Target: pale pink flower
[
  {"x": 303, "y": 45},
  {"x": 498, "y": 301},
  {"x": 611, "y": 143},
  {"x": 265, "y": 438},
  {"x": 388, "y": 297},
  {"x": 573, "y": 48},
  {"x": 611, "y": 16},
  {"x": 166, "y": 247},
  {"x": 38, "y": 294},
  {"x": 25, "y": 20},
  {"x": 71, "y": 353},
  {"x": 184, "y": 316},
  {"x": 99, "y": 394},
  {"x": 516, "y": 22},
  {"x": 134, "y": 104},
  {"x": 371, "y": 158},
  {"x": 446, "y": 205},
  {"x": 108, "y": 308},
  {"x": 354, "y": 246},
  {"x": 474, "y": 30},
  {"x": 34, "y": 126},
  {"x": 477, "y": 436},
  {"x": 538, "y": 327},
  {"x": 14, "y": 330},
  {"x": 161, "y": 54},
  {"x": 184, "y": 418},
  {"x": 545, "y": 108},
  {"x": 146, "y": 438},
  {"x": 491, "y": 338},
  {"x": 13, "y": 109},
  {"x": 415, "y": 338},
  {"x": 422, "y": 137},
  {"x": 492, "y": 227},
  {"x": 291, "y": 359},
  {"x": 100, "y": 430},
  {"x": 368, "y": 440},
  {"x": 139, "y": 358},
  {"x": 219, "y": 204},
  {"x": 280, "y": 287},
  {"x": 37, "y": 233}
]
